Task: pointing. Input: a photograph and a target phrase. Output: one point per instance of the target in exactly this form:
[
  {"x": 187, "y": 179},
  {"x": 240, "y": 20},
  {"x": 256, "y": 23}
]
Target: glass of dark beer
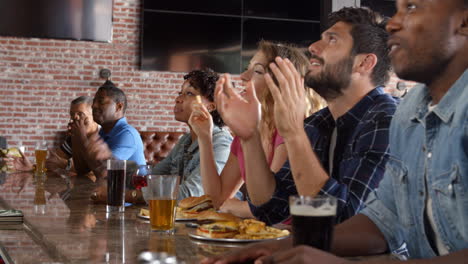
[
  {"x": 313, "y": 219},
  {"x": 116, "y": 185}
]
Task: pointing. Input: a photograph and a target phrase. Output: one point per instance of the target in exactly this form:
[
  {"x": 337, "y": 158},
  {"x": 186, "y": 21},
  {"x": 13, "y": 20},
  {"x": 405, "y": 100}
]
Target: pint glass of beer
[
  {"x": 313, "y": 219},
  {"x": 162, "y": 196},
  {"x": 116, "y": 185},
  {"x": 41, "y": 155}
]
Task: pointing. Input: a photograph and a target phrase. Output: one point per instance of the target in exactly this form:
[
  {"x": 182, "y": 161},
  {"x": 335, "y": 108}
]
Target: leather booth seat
[{"x": 157, "y": 145}]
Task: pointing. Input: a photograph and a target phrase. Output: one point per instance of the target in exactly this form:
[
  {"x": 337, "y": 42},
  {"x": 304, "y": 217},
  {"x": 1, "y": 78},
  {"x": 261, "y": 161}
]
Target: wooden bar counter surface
[{"x": 62, "y": 225}]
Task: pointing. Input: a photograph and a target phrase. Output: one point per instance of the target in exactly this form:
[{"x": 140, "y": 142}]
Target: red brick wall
[{"x": 39, "y": 77}]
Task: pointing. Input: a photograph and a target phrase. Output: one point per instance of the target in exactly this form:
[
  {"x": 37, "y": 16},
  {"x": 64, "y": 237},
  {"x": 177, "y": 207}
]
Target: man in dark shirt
[
  {"x": 80, "y": 108},
  {"x": 348, "y": 139}
]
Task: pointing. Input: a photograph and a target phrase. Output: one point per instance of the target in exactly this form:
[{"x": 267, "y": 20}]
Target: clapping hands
[
  {"x": 241, "y": 113},
  {"x": 289, "y": 96}
]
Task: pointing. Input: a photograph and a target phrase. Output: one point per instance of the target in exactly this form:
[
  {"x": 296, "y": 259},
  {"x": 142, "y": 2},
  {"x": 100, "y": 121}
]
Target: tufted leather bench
[{"x": 158, "y": 144}]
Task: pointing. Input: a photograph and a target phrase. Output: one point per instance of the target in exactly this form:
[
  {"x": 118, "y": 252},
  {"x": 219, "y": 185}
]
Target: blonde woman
[{"x": 222, "y": 187}]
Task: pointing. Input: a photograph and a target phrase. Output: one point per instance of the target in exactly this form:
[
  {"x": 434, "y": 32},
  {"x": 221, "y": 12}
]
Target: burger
[
  {"x": 190, "y": 207},
  {"x": 217, "y": 225}
]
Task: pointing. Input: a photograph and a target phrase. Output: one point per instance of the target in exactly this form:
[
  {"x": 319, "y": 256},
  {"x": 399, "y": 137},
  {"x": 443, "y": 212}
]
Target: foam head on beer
[{"x": 307, "y": 210}]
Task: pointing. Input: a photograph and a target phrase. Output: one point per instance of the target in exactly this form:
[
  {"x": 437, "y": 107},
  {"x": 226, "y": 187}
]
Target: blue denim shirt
[
  {"x": 125, "y": 142},
  {"x": 184, "y": 160},
  {"x": 431, "y": 145}
]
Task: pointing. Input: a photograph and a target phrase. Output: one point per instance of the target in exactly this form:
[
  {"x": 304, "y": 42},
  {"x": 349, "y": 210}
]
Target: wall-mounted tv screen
[
  {"x": 62, "y": 19},
  {"x": 182, "y": 35},
  {"x": 385, "y": 7}
]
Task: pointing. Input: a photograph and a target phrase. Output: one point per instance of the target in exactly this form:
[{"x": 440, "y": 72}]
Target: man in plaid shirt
[{"x": 348, "y": 139}]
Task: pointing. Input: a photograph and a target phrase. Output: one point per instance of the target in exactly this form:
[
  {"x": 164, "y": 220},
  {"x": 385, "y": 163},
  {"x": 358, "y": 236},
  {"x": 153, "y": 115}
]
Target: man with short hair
[
  {"x": 348, "y": 139},
  {"x": 421, "y": 206},
  {"x": 80, "y": 108},
  {"x": 116, "y": 138}
]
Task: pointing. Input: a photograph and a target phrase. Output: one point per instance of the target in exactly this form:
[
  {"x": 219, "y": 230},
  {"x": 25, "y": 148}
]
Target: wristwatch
[{"x": 134, "y": 195}]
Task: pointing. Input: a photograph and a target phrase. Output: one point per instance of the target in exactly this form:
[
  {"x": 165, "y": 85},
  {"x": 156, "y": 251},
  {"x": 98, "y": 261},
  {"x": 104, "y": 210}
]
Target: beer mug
[
  {"x": 116, "y": 185},
  {"x": 313, "y": 219},
  {"x": 41, "y": 156},
  {"x": 162, "y": 195}
]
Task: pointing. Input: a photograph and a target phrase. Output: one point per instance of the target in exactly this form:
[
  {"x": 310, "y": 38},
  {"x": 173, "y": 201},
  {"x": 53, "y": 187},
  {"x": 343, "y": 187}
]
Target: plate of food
[
  {"x": 144, "y": 214},
  {"x": 224, "y": 227}
]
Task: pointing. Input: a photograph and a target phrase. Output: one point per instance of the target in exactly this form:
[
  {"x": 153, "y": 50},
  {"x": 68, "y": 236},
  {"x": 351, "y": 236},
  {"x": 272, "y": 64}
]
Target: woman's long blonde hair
[{"x": 272, "y": 50}]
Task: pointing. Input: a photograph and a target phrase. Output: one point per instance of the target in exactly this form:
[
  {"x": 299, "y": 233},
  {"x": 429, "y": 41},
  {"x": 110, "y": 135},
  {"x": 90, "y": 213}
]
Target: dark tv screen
[
  {"x": 291, "y": 9},
  {"x": 193, "y": 42},
  {"x": 182, "y": 35},
  {"x": 385, "y": 7},
  {"x": 62, "y": 19},
  {"x": 225, "y": 7}
]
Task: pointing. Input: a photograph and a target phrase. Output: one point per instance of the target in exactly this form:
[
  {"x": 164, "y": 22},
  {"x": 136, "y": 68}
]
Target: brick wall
[{"x": 39, "y": 77}]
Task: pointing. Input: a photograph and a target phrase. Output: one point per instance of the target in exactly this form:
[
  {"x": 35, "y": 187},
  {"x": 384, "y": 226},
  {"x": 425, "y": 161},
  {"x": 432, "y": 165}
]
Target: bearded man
[{"x": 348, "y": 139}]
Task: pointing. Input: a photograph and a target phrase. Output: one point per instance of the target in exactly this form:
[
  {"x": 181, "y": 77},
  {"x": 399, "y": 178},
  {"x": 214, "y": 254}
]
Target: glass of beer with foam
[
  {"x": 41, "y": 156},
  {"x": 313, "y": 219},
  {"x": 162, "y": 195}
]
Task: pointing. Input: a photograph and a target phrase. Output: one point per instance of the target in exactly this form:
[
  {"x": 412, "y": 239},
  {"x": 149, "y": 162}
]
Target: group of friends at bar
[{"x": 319, "y": 125}]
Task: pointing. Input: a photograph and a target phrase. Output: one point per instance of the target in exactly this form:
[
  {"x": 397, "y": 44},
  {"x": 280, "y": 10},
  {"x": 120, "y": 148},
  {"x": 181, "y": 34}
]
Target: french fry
[
  {"x": 254, "y": 229},
  {"x": 198, "y": 98}
]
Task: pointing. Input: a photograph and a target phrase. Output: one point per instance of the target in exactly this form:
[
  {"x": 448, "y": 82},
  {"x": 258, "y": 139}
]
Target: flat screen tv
[
  {"x": 61, "y": 19},
  {"x": 182, "y": 35}
]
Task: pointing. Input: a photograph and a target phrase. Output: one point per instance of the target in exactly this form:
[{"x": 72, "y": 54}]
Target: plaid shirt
[{"x": 360, "y": 154}]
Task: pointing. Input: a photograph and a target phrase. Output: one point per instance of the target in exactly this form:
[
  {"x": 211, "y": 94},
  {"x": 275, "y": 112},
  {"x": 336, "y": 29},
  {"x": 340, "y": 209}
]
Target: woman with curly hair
[
  {"x": 184, "y": 159},
  {"x": 222, "y": 187}
]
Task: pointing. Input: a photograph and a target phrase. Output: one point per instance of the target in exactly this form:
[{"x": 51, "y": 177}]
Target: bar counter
[{"x": 62, "y": 225}]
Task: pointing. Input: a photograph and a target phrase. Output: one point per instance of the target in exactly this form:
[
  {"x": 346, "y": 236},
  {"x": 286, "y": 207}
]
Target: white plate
[
  {"x": 232, "y": 240},
  {"x": 177, "y": 219},
  {"x": 146, "y": 217}
]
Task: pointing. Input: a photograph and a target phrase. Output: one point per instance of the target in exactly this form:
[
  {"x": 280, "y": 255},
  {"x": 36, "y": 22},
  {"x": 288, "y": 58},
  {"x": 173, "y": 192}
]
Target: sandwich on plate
[
  {"x": 217, "y": 225},
  {"x": 190, "y": 207}
]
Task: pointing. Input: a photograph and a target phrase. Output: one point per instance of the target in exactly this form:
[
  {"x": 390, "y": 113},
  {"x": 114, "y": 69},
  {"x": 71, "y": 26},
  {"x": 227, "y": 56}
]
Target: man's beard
[{"x": 333, "y": 79}]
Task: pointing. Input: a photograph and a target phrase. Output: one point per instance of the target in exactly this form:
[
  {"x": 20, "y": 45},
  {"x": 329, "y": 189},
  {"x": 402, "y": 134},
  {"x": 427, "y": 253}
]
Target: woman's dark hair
[
  {"x": 204, "y": 81},
  {"x": 369, "y": 36}
]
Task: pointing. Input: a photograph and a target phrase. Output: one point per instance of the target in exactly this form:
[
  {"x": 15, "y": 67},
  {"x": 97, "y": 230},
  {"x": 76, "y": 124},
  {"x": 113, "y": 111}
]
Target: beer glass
[
  {"x": 313, "y": 219},
  {"x": 41, "y": 155},
  {"x": 162, "y": 195},
  {"x": 116, "y": 185}
]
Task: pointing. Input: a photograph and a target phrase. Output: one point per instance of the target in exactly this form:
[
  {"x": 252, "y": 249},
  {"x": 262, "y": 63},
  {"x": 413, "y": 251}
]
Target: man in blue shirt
[
  {"x": 421, "y": 206},
  {"x": 348, "y": 139},
  {"x": 116, "y": 138}
]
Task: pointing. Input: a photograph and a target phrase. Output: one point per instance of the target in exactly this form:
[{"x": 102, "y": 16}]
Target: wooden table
[{"x": 61, "y": 224}]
